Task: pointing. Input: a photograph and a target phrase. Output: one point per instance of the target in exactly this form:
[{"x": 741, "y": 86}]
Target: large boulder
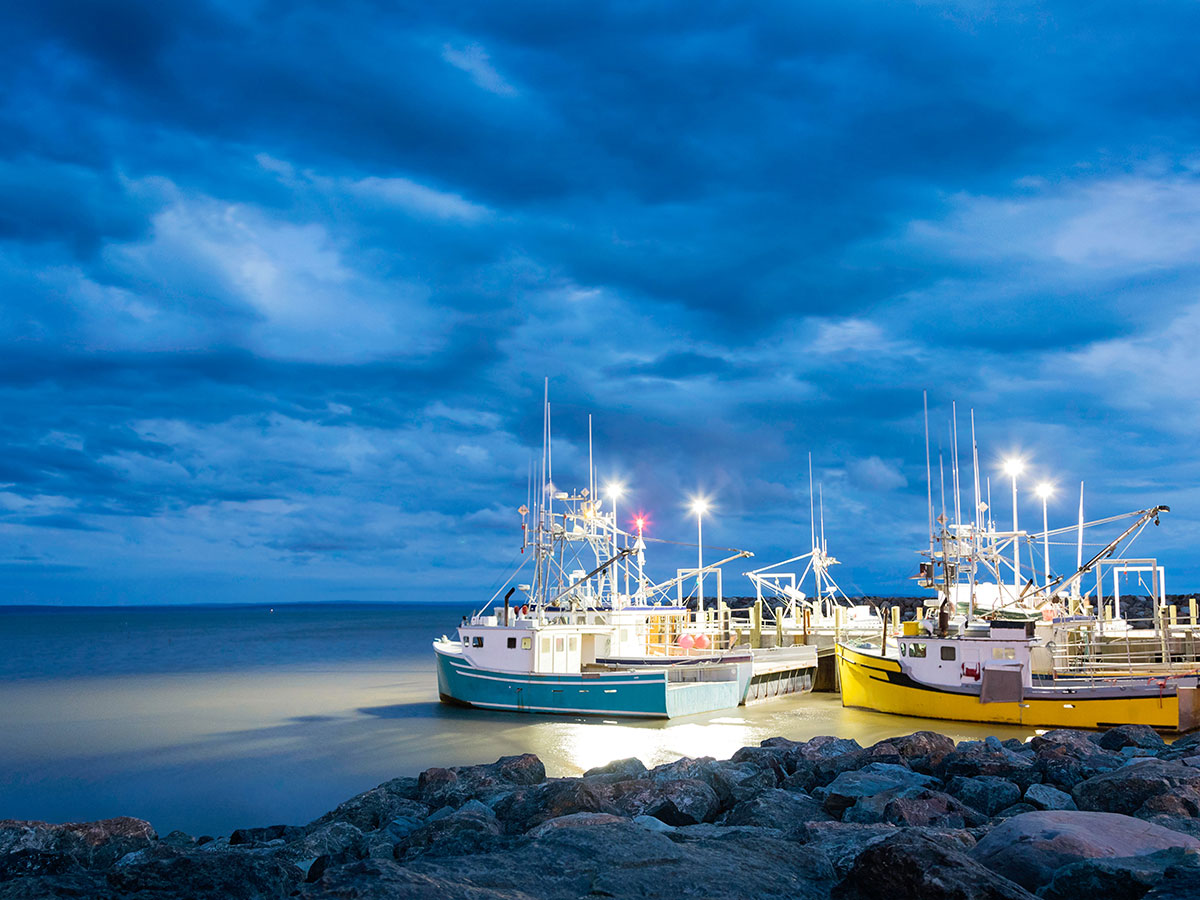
[
  {"x": 1043, "y": 796},
  {"x": 1029, "y": 848},
  {"x": 987, "y": 793},
  {"x": 989, "y": 757},
  {"x": 1126, "y": 789},
  {"x": 922, "y": 751},
  {"x": 473, "y": 828},
  {"x": 1142, "y": 736},
  {"x": 1122, "y": 878},
  {"x": 200, "y": 875},
  {"x": 777, "y": 808},
  {"x": 913, "y": 865},
  {"x": 617, "y": 770},
  {"x": 914, "y": 806},
  {"x": 1066, "y": 757},
  {"x": 527, "y": 807},
  {"x": 842, "y": 842},
  {"x": 688, "y": 801},
  {"x": 376, "y": 807},
  {"x": 454, "y": 787},
  {"x": 94, "y": 845},
  {"x": 818, "y": 761},
  {"x": 875, "y": 778}
]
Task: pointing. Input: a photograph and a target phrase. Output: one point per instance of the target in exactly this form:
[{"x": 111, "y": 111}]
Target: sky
[{"x": 280, "y": 283}]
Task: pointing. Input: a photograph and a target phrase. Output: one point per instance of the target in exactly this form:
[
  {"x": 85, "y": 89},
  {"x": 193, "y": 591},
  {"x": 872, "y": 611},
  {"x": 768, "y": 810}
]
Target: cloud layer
[{"x": 281, "y": 285}]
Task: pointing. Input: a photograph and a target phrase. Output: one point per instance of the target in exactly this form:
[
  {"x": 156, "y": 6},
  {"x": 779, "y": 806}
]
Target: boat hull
[
  {"x": 641, "y": 694},
  {"x": 870, "y": 681}
]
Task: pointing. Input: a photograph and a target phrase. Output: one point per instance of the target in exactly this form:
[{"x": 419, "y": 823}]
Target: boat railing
[
  {"x": 1140, "y": 649},
  {"x": 699, "y": 673}
]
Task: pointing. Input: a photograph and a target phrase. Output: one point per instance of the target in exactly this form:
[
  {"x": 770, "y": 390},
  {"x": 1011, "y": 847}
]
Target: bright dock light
[
  {"x": 1045, "y": 489},
  {"x": 614, "y": 490},
  {"x": 1014, "y": 467},
  {"x": 699, "y": 505}
]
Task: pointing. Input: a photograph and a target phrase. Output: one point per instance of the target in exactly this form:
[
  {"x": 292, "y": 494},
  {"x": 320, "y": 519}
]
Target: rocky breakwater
[{"x": 1066, "y": 816}]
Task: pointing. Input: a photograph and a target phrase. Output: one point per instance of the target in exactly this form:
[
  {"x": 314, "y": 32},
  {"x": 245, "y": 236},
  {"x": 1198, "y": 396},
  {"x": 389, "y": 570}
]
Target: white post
[
  {"x": 1046, "y": 538},
  {"x": 1016, "y": 541}
]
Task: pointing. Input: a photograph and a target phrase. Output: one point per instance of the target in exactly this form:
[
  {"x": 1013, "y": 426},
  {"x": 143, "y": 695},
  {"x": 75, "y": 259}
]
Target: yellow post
[
  {"x": 837, "y": 624},
  {"x": 1107, "y": 612},
  {"x": 896, "y": 619},
  {"x": 779, "y": 626},
  {"x": 1192, "y": 611},
  {"x": 756, "y": 624},
  {"x": 1172, "y": 613}
]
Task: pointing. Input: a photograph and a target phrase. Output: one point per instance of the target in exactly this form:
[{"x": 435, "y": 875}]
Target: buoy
[
  {"x": 686, "y": 641},
  {"x": 701, "y": 642}
]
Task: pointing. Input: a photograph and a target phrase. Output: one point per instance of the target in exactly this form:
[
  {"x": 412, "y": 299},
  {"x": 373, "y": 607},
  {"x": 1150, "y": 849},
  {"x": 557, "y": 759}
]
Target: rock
[
  {"x": 652, "y": 824},
  {"x": 777, "y": 808},
  {"x": 527, "y": 807},
  {"x": 1183, "y": 801},
  {"x": 1043, "y": 796},
  {"x": 973, "y": 758},
  {"x": 375, "y": 808},
  {"x": 462, "y": 832},
  {"x": 686, "y": 802},
  {"x": 401, "y": 827},
  {"x": 914, "y": 806},
  {"x": 817, "y": 762},
  {"x": 615, "y": 860},
  {"x": 454, "y": 787},
  {"x": 772, "y": 759},
  {"x": 618, "y": 770},
  {"x": 90, "y": 844},
  {"x": 1125, "y": 790},
  {"x": 207, "y": 876},
  {"x": 180, "y": 839},
  {"x": 1178, "y": 883},
  {"x": 1017, "y": 809},
  {"x": 922, "y": 750},
  {"x": 844, "y": 791},
  {"x": 78, "y": 884},
  {"x": 338, "y": 842},
  {"x": 1122, "y": 878},
  {"x": 1067, "y": 757},
  {"x": 1184, "y": 825},
  {"x": 913, "y": 865},
  {"x": 1142, "y": 736},
  {"x": 842, "y": 842},
  {"x": 987, "y": 793},
  {"x": 1029, "y": 848},
  {"x": 265, "y": 835},
  {"x": 735, "y": 782},
  {"x": 576, "y": 820}
]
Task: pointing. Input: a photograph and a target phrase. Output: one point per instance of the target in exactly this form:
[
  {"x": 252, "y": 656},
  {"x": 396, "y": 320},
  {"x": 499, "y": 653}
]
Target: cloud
[{"x": 474, "y": 60}]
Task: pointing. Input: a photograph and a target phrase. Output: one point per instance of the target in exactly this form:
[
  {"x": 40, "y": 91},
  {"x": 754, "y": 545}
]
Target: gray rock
[
  {"x": 922, "y": 750},
  {"x": 374, "y": 808},
  {"x": 686, "y": 802},
  {"x": 987, "y": 793},
  {"x": 528, "y": 807},
  {"x": 875, "y": 778},
  {"x": 1043, "y": 796},
  {"x": 401, "y": 827},
  {"x": 777, "y": 808},
  {"x": 1029, "y": 848},
  {"x": 974, "y": 758},
  {"x": 93, "y": 845},
  {"x": 652, "y": 824},
  {"x": 1125, "y": 790},
  {"x": 455, "y": 786},
  {"x": 908, "y": 864},
  {"x": 207, "y": 876},
  {"x": 915, "y": 806},
  {"x": 1140, "y": 736},
  {"x": 576, "y": 820},
  {"x": 617, "y": 770},
  {"x": 1123, "y": 878}
]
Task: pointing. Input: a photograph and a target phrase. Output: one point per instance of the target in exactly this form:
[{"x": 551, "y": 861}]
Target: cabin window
[
  {"x": 526, "y": 643},
  {"x": 466, "y": 640},
  {"x": 1004, "y": 653},
  {"x": 917, "y": 650},
  {"x": 476, "y": 642},
  {"x": 1010, "y": 652},
  {"x": 558, "y": 645},
  {"x": 512, "y": 643},
  {"x": 574, "y": 644},
  {"x": 948, "y": 653},
  {"x": 545, "y": 645}
]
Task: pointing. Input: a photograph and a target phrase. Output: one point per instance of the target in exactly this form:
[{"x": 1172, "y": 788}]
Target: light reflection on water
[{"x": 283, "y": 733}]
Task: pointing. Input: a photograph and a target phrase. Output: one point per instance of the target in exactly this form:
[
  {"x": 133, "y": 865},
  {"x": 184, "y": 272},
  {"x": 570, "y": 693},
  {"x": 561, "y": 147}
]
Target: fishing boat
[
  {"x": 591, "y": 634},
  {"x": 1000, "y": 648}
]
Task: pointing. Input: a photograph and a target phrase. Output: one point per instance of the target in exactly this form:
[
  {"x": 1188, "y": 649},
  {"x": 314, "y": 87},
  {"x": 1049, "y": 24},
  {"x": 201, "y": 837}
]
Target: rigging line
[
  {"x": 685, "y": 544},
  {"x": 506, "y": 583}
]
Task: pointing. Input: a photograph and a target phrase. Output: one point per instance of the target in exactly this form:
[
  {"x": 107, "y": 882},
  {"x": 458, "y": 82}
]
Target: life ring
[
  {"x": 970, "y": 673},
  {"x": 525, "y": 610}
]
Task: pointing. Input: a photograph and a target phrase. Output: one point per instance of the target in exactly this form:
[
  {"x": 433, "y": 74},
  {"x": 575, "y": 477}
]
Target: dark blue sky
[{"x": 281, "y": 282}]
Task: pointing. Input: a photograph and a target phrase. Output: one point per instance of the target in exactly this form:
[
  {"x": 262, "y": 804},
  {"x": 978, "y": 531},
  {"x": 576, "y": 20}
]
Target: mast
[
  {"x": 812, "y": 522},
  {"x": 975, "y": 548},
  {"x": 928, "y": 475},
  {"x": 1079, "y": 543}
]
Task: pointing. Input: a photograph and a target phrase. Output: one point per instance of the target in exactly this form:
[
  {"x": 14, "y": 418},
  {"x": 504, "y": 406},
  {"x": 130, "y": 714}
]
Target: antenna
[
  {"x": 957, "y": 488},
  {"x": 928, "y": 475},
  {"x": 1079, "y": 539},
  {"x": 942, "y": 479},
  {"x": 591, "y": 467},
  {"x": 821, "y": 494},
  {"x": 812, "y": 519}
]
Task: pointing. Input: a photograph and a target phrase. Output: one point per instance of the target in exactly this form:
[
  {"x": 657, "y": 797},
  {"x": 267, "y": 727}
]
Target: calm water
[{"x": 208, "y": 719}]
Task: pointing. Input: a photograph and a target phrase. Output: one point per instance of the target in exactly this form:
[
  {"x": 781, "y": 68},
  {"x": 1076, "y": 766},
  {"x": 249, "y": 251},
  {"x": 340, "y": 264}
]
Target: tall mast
[
  {"x": 1079, "y": 542},
  {"x": 978, "y": 515},
  {"x": 812, "y": 522},
  {"x": 928, "y": 474},
  {"x": 957, "y": 487}
]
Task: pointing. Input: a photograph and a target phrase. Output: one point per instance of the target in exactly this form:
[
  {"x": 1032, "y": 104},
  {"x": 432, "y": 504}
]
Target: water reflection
[{"x": 208, "y": 752}]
